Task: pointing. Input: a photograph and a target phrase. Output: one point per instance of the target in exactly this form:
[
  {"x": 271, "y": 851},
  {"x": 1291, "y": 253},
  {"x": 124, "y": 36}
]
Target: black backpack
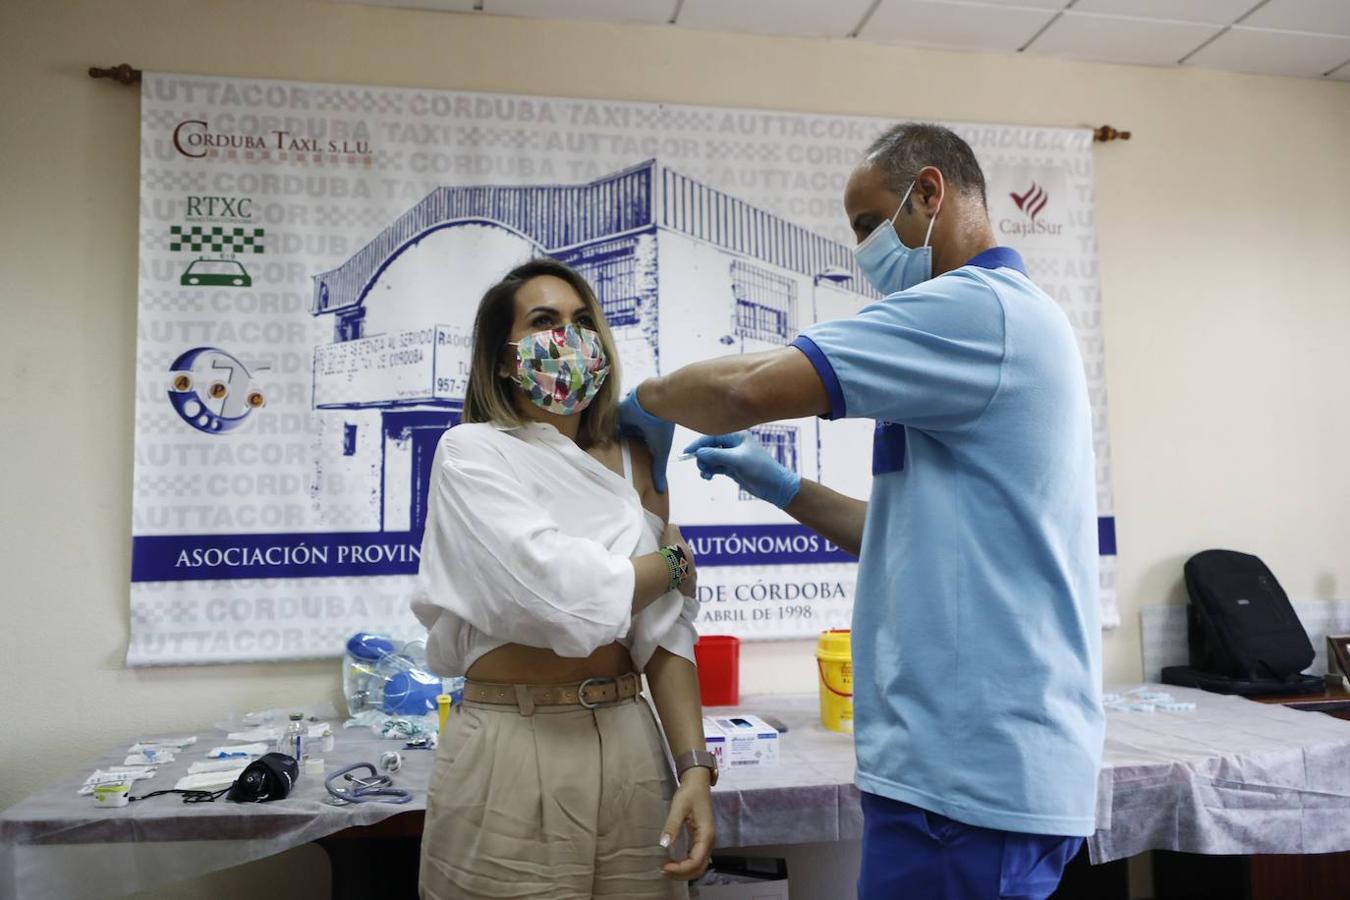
[{"x": 1240, "y": 623}]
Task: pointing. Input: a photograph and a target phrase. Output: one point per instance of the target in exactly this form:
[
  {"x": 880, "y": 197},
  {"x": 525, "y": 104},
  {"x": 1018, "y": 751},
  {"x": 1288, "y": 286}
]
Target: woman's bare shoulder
[{"x": 652, "y": 499}]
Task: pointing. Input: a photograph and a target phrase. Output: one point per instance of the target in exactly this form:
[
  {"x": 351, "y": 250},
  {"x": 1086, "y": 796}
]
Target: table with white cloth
[{"x": 1229, "y": 777}]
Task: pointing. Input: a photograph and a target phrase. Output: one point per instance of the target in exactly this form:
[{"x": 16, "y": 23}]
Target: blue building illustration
[{"x": 683, "y": 272}]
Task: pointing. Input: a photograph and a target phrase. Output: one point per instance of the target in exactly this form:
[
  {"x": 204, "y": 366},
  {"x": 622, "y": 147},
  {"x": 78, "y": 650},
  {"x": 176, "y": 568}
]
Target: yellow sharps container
[{"x": 834, "y": 661}]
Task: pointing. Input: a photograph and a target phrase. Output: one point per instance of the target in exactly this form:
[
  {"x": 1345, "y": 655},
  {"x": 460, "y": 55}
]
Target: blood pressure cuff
[{"x": 270, "y": 777}]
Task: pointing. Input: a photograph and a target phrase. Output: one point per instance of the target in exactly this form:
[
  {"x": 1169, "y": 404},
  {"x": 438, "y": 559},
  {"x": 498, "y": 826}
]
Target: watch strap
[{"x": 696, "y": 759}]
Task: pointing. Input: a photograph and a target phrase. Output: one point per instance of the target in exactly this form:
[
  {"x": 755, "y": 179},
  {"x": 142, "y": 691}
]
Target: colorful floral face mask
[{"x": 562, "y": 369}]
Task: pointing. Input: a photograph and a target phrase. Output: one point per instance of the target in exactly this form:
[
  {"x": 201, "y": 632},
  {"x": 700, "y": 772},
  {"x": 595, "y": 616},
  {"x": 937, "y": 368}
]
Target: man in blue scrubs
[{"x": 976, "y": 642}]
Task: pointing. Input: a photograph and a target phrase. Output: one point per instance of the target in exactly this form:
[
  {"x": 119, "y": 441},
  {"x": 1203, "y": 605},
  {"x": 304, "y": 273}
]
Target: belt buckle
[{"x": 581, "y": 690}]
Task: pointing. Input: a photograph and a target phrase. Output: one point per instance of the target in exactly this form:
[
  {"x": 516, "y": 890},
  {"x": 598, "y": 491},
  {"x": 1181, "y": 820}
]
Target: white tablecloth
[{"x": 1231, "y": 776}]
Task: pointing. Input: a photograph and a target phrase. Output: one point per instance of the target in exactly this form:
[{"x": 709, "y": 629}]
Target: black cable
[{"x": 188, "y": 796}]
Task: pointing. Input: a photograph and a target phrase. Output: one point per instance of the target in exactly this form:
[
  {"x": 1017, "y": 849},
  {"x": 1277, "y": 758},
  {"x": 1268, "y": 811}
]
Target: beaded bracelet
[{"x": 677, "y": 564}]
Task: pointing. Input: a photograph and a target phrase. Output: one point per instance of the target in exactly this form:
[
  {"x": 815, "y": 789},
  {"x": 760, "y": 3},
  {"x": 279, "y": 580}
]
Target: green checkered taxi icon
[
  {"x": 216, "y": 239},
  {"x": 205, "y": 272}
]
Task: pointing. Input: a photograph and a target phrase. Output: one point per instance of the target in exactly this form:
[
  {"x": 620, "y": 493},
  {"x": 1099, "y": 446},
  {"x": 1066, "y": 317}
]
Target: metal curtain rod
[
  {"x": 1105, "y": 133},
  {"x": 125, "y": 74}
]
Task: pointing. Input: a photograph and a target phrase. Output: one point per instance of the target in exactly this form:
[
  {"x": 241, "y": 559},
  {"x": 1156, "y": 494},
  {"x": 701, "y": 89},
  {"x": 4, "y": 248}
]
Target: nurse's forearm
[
  {"x": 717, "y": 396},
  {"x": 830, "y": 514},
  {"x": 674, "y": 683},
  {"x": 703, "y": 396}
]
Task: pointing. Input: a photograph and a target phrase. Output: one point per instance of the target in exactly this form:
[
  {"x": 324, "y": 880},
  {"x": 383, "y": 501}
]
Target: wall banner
[{"x": 311, "y": 257}]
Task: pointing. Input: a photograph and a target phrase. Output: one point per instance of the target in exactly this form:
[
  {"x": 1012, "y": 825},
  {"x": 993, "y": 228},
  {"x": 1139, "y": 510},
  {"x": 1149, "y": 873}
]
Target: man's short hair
[{"x": 902, "y": 150}]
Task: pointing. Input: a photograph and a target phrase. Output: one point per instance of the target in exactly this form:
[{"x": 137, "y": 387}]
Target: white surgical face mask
[{"x": 887, "y": 263}]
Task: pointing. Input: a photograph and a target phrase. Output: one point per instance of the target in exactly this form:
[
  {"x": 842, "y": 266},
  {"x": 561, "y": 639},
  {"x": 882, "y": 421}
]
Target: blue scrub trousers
[{"x": 911, "y": 854}]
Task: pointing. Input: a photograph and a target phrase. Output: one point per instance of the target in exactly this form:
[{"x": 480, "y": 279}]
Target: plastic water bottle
[{"x": 294, "y": 741}]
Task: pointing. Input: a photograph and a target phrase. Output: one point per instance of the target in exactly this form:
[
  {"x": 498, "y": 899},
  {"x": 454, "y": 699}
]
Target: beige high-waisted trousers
[{"x": 565, "y": 804}]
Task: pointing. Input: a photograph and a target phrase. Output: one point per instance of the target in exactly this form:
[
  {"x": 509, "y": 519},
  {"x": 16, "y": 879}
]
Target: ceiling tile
[
  {"x": 1054, "y": 5},
  {"x": 438, "y": 5},
  {"x": 1315, "y": 16},
  {"x": 1120, "y": 39},
  {"x": 1273, "y": 52},
  {"x": 964, "y": 26},
  {"x": 802, "y": 18},
  {"x": 1210, "y": 12},
  {"x": 652, "y": 12}
]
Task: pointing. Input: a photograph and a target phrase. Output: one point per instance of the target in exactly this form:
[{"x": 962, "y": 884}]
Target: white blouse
[{"x": 528, "y": 540}]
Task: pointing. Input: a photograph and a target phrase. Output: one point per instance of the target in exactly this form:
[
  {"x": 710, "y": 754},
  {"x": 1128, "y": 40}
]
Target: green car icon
[{"x": 216, "y": 273}]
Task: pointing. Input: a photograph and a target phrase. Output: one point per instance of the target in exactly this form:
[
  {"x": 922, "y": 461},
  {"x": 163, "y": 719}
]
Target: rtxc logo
[{"x": 1031, "y": 202}]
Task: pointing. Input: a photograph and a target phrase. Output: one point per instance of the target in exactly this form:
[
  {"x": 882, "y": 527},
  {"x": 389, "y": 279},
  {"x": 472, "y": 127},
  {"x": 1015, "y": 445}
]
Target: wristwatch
[{"x": 695, "y": 759}]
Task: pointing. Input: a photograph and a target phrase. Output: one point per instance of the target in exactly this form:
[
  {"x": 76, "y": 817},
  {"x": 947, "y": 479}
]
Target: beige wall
[{"x": 1225, "y": 258}]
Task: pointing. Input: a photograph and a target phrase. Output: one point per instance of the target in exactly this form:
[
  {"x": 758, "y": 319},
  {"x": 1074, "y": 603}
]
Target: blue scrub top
[{"x": 976, "y": 633}]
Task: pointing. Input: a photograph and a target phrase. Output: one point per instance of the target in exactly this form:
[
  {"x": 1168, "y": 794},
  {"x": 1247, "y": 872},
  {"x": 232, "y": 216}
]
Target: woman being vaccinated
[{"x": 550, "y": 579}]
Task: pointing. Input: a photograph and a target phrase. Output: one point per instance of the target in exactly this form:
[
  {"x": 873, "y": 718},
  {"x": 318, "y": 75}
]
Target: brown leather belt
[{"x": 589, "y": 694}]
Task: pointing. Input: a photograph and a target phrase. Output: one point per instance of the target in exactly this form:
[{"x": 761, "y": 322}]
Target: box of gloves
[
  {"x": 741, "y": 740},
  {"x": 742, "y": 878}
]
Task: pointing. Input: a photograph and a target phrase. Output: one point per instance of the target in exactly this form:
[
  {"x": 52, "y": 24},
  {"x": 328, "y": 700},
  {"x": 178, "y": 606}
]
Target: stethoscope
[{"x": 375, "y": 789}]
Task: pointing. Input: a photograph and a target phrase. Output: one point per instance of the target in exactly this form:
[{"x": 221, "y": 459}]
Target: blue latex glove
[
  {"x": 652, "y": 430},
  {"x": 741, "y": 457}
]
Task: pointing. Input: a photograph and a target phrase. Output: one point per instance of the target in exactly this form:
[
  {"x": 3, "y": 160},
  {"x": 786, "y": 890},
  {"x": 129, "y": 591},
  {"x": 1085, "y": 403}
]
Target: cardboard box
[
  {"x": 741, "y": 740},
  {"x": 740, "y": 887},
  {"x": 1338, "y": 662},
  {"x": 743, "y": 878}
]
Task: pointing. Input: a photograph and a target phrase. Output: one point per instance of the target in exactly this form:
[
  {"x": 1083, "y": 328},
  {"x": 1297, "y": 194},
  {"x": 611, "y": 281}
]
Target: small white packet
[
  {"x": 208, "y": 781},
  {"x": 150, "y": 756},
  {"x": 262, "y": 733},
  {"x": 213, "y": 765},
  {"x": 178, "y": 743},
  {"x": 238, "y": 751},
  {"x": 114, "y": 775}
]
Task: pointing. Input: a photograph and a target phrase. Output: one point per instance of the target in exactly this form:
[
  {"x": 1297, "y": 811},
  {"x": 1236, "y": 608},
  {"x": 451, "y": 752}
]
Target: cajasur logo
[{"x": 1032, "y": 202}]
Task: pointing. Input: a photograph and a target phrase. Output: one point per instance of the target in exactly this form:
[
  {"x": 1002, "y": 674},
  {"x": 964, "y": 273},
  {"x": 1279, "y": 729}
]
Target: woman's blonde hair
[{"x": 492, "y": 398}]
